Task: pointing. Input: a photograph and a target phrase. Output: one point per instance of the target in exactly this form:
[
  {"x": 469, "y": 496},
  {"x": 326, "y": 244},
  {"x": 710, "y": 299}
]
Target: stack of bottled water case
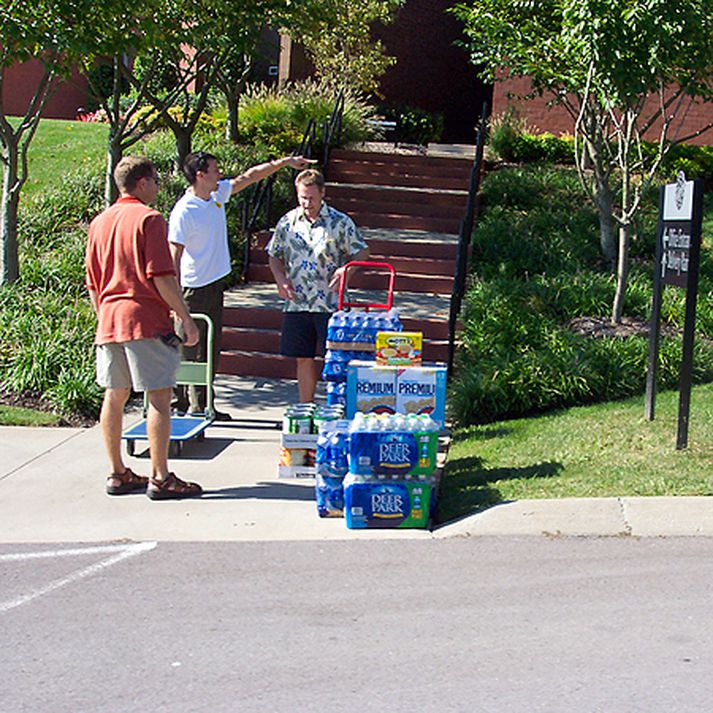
[
  {"x": 352, "y": 335},
  {"x": 377, "y": 470},
  {"x": 391, "y": 481},
  {"x": 331, "y": 466}
]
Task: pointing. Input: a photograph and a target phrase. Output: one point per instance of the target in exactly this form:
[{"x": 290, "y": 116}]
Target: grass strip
[
  {"x": 605, "y": 450},
  {"x": 19, "y": 416}
]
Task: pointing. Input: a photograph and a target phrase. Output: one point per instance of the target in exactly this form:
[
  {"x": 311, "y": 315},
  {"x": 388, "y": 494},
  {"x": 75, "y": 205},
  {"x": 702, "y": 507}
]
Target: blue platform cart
[{"x": 183, "y": 428}]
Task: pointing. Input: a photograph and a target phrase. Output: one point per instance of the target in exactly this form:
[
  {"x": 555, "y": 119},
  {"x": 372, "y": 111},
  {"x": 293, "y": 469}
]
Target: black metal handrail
[
  {"x": 464, "y": 238},
  {"x": 258, "y": 205}
]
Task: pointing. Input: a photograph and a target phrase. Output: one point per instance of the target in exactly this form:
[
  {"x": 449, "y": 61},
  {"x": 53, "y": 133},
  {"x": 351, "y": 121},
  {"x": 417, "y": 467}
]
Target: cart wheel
[
  {"x": 131, "y": 447},
  {"x": 201, "y": 436},
  {"x": 174, "y": 449}
]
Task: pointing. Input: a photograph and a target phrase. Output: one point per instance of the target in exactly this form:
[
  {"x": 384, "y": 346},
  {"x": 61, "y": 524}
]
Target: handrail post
[{"x": 464, "y": 238}]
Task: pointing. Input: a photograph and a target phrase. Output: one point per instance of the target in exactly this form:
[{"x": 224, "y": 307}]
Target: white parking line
[{"x": 122, "y": 552}]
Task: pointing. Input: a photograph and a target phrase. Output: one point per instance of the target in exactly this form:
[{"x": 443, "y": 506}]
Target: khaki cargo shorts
[{"x": 144, "y": 364}]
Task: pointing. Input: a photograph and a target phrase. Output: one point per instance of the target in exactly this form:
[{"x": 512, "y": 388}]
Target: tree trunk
[
  {"x": 622, "y": 273},
  {"x": 183, "y": 145},
  {"x": 114, "y": 154},
  {"x": 622, "y": 267},
  {"x": 231, "y": 128},
  {"x": 9, "y": 258},
  {"x": 607, "y": 230}
]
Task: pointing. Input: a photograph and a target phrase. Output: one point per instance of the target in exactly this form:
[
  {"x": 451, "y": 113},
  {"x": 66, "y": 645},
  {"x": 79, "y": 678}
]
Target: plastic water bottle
[
  {"x": 321, "y": 453},
  {"x": 393, "y": 321},
  {"x": 369, "y": 328},
  {"x": 337, "y": 454}
]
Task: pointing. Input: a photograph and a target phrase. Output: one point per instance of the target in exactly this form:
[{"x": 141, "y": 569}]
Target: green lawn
[
  {"x": 604, "y": 450},
  {"x": 18, "y": 416},
  {"x": 60, "y": 146}
]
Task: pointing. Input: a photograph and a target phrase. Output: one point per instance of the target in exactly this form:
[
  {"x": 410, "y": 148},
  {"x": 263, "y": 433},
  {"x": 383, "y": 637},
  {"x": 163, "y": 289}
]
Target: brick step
[
  {"x": 417, "y": 265},
  {"x": 372, "y": 280},
  {"x": 346, "y": 174},
  {"x": 406, "y": 222},
  {"x": 257, "y": 318},
  {"x": 242, "y": 363},
  {"x": 270, "y": 320},
  {"x": 414, "y": 248},
  {"x": 250, "y": 339},
  {"x": 236, "y": 339},
  {"x": 405, "y": 248},
  {"x": 425, "y": 171},
  {"x": 463, "y": 165},
  {"x": 384, "y": 204},
  {"x": 424, "y": 197}
]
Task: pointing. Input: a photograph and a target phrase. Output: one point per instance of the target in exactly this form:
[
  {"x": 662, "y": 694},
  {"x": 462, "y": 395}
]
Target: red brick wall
[
  {"x": 20, "y": 85},
  {"x": 556, "y": 120},
  {"x": 431, "y": 72}
]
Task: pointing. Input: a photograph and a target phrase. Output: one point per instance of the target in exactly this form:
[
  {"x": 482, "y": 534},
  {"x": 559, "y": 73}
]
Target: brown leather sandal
[
  {"x": 172, "y": 488},
  {"x": 126, "y": 482}
]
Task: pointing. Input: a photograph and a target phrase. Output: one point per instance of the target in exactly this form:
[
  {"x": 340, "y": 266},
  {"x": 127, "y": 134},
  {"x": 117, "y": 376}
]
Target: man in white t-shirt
[{"x": 198, "y": 238}]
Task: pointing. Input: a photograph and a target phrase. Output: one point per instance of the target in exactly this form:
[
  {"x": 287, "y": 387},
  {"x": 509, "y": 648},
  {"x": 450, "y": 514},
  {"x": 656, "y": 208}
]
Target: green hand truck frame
[{"x": 183, "y": 428}]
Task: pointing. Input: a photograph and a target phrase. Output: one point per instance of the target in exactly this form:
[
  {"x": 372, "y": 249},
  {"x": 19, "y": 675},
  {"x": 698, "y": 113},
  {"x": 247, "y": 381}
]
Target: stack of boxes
[
  {"x": 377, "y": 470},
  {"x": 300, "y": 427},
  {"x": 376, "y": 467}
]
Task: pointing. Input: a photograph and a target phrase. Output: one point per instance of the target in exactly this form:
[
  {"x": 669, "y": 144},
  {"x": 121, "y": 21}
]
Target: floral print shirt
[{"x": 311, "y": 252}]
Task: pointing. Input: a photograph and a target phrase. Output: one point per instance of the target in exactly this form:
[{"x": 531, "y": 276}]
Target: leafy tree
[
  {"x": 61, "y": 34},
  {"x": 55, "y": 32},
  {"x": 145, "y": 36},
  {"x": 338, "y": 40},
  {"x": 239, "y": 47},
  {"x": 185, "y": 50},
  {"x": 621, "y": 68}
]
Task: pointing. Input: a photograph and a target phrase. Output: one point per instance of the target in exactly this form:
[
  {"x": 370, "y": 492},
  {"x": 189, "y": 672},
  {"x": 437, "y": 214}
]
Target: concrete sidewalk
[{"x": 52, "y": 490}]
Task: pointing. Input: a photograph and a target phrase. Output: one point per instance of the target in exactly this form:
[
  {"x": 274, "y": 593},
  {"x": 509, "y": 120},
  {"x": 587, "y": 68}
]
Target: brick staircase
[{"x": 409, "y": 209}]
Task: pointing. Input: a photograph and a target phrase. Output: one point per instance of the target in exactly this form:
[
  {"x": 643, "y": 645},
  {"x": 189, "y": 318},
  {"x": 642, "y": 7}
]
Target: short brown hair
[
  {"x": 130, "y": 170},
  {"x": 310, "y": 177}
]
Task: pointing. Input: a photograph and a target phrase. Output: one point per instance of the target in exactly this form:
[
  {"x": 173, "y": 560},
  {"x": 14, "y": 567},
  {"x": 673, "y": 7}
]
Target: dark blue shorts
[{"x": 304, "y": 334}]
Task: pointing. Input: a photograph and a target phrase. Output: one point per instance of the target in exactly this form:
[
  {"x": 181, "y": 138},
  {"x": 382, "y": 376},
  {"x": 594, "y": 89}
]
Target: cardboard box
[
  {"x": 370, "y": 389},
  {"x": 418, "y": 389},
  {"x": 399, "y": 348},
  {"x": 422, "y": 390},
  {"x": 295, "y": 471},
  {"x": 299, "y": 440}
]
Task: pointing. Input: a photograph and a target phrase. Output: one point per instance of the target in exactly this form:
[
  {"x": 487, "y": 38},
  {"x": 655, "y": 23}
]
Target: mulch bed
[
  {"x": 628, "y": 327},
  {"x": 36, "y": 403}
]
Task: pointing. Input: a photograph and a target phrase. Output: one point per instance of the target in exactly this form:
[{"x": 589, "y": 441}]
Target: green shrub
[
  {"x": 536, "y": 267},
  {"x": 413, "y": 125},
  {"x": 511, "y": 139},
  {"x": 269, "y": 114}
]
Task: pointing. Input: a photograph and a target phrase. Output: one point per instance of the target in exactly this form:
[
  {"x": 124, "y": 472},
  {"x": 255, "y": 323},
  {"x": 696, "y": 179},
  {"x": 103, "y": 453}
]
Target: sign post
[{"x": 678, "y": 251}]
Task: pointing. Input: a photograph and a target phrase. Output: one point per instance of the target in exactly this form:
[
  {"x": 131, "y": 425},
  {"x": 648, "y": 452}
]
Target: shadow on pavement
[
  {"x": 254, "y": 394},
  {"x": 263, "y": 491}
]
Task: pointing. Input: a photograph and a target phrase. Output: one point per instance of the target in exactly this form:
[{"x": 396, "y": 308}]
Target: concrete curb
[{"x": 52, "y": 490}]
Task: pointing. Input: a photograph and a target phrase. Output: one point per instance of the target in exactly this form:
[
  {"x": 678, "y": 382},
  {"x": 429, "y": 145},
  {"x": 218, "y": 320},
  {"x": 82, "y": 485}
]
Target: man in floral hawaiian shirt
[{"x": 308, "y": 252}]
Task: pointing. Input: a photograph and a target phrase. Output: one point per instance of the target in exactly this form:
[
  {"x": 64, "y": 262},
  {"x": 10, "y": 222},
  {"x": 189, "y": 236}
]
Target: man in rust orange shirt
[{"x": 132, "y": 284}]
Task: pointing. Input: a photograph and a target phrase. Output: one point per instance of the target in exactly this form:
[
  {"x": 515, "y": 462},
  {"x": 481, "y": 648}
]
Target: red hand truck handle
[{"x": 369, "y": 305}]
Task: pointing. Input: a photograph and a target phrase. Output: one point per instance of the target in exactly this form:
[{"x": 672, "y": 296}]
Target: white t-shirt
[{"x": 200, "y": 226}]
